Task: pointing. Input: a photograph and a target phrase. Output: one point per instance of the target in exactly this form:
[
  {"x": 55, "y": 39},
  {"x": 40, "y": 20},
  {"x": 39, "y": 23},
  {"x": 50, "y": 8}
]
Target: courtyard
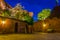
[{"x": 36, "y": 36}]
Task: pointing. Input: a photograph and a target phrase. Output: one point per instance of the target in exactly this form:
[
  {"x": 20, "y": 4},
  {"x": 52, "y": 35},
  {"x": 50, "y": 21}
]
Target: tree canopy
[{"x": 44, "y": 14}]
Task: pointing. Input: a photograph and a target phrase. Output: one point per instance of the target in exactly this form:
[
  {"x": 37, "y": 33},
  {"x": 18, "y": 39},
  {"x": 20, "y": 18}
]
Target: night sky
[{"x": 34, "y": 6}]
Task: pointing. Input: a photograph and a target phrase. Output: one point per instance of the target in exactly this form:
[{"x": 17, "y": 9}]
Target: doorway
[{"x": 16, "y": 27}]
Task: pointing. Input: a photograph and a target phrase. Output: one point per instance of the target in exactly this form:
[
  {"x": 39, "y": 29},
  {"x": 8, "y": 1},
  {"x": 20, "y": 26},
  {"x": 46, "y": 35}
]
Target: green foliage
[
  {"x": 29, "y": 19},
  {"x": 18, "y": 13},
  {"x": 44, "y": 14},
  {"x": 6, "y": 13}
]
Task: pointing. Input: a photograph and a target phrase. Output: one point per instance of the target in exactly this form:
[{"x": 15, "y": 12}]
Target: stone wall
[
  {"x": 53, "y": 24},
  {"x": 10, "y": 26}
]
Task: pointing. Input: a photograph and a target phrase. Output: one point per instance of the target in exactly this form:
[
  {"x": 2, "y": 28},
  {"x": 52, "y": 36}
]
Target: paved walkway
[{"x": 38, "y": 36}]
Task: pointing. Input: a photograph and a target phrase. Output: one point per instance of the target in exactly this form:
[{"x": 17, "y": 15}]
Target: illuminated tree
[
  {"x": 17, "y": 11},
  {"x": 44, "y": 14}
]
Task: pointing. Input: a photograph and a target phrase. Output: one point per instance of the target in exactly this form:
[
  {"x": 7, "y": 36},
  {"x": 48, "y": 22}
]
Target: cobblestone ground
[{"x": 37, "y": 36}]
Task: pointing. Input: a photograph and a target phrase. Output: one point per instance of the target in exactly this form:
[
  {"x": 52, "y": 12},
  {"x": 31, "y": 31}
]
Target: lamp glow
[
  {"x": 44, "y": 25},
  {"x": 3, "y": 22}
]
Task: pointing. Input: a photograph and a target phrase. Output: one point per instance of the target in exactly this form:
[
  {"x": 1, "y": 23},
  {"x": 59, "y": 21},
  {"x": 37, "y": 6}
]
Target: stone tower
[{"x": 4, "y": 5}]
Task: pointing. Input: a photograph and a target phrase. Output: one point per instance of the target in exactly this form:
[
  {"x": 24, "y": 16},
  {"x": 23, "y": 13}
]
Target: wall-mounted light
[
  {"x": 44, "y": 25},
  {"x": 3, "y": 22}
]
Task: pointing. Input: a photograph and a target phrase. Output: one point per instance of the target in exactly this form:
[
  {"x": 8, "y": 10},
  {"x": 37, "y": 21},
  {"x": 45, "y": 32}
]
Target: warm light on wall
[
  {"x": 3, "y": 22},
  {"x": 44, "y": 25}
]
